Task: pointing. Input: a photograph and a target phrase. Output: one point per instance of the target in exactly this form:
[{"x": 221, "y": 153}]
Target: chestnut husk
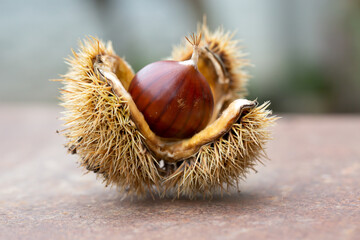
[{"x": 111, "y": 137}]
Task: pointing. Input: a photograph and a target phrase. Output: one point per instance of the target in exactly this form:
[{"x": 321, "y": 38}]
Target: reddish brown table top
[{"x": 309, "y": 190}]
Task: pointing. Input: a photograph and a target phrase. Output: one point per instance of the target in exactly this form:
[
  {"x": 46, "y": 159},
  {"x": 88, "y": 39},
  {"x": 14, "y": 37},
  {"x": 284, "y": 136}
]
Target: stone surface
[{"x": 309, "y": 190}]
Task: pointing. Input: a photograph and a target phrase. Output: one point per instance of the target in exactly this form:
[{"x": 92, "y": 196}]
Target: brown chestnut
[{"x": 174, "y": 97}]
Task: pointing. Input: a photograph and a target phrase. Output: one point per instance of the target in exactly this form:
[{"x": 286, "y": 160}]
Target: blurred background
[{"x": 306, "y": 52}]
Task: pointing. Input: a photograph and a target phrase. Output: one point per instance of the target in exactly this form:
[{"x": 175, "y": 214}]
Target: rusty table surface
[{"x": 309, "y": 190}]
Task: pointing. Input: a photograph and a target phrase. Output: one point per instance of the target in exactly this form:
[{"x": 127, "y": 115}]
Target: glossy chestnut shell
[{"x": 174, "y": 97}]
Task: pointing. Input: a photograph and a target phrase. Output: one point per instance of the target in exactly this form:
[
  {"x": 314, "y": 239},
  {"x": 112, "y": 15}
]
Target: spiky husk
[
  {"x": 228, "y": 50},
  {"x": 100, "y": 131},
  {"x": 224, "y": 162},
  {"x": 99, "y": 128}
]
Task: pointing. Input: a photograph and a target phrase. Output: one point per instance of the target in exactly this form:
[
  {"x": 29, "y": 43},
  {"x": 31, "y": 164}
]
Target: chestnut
[{"x": 174, "y": 97}]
